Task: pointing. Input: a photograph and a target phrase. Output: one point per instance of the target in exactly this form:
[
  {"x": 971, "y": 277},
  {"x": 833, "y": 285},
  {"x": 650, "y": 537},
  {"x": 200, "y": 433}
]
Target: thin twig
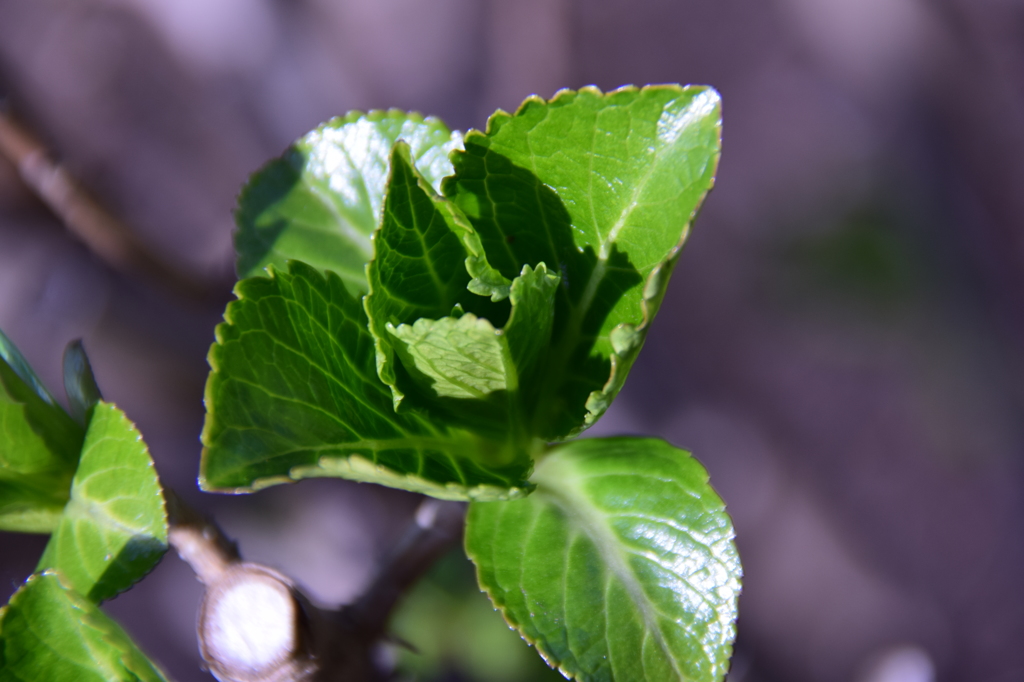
[
  {"x": 101, "y": 232},
  {"x": 436, "y": 528},
  {"x": 199, "y": 541}
]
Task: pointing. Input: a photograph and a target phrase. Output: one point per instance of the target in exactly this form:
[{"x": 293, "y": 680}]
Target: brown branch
[
  {"x": 436, "y": 529},
  {"x": 102, "y": 233},
  {"x": 255, "y": 625}
]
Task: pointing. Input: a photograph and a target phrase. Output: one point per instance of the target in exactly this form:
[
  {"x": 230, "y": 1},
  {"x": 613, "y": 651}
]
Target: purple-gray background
[{"x": 842, "y": 343}]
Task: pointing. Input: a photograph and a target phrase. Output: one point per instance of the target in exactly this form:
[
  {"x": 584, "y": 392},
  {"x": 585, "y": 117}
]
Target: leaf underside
[
  {"x": 620, "y": 566},
  {"x": 114, "y": 528},
  {"x": 320, "y": 201},
  {"x": 294, "y": 393},
  {"x": 50, "y": 632},
  {"x": 602, "y": 188},
  {"x": 39, "y": 448}
]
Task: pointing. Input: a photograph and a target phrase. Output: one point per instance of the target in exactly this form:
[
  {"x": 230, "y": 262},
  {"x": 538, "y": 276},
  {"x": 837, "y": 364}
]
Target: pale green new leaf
[
  {"x": 39, "y": 448},
  {"x": 455, "y": 357},
  {"x": 427, "y": 258},
  {"x": 620, "y": 566},
  {"x": 320, "y": 201},
  {"x": 602, "y": 188},
  {"x": 50, "y": 632},
  {"x": 114, "y": 528},
  {"x": 481, "y": 377},
  {"x": 294, "y": 393}
]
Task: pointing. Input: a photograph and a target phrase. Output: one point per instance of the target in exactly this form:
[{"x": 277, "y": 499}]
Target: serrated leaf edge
[
  {"x": 513, "y": 623},
  {"x": 657, "y": 281},
  {"x": 358, "y": 468},
  {"x": 486, "y": 281},
  {"x": 362, "y": 469}
]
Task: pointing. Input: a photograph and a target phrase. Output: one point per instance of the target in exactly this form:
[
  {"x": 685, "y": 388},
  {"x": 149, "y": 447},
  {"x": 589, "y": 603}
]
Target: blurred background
[{"x": 842, "y": 344}]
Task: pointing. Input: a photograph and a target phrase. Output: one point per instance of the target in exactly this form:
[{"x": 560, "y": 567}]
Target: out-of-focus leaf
[
  {"x": 39, "y": 448},
  {"x": 621, "y": 565},
  {"x": 294, "y": 393},
  {"x": 79, "y": 382},
  {"x": 114, "y": 528},
  {"x": 427, "y": 260},
  {"x": 50, "y": 632},
  {"x": 320, "y": 201},
  {"x": 602, "y": 188}
]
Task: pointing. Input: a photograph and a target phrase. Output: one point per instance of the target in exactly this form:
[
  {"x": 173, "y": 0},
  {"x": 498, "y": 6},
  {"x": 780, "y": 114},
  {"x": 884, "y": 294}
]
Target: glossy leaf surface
[
  {"x": 114, "y": 528},
  {"x": 602, "y": 188},
  {"x": 39, "y": 448},
  {"x": 50, "y": 632},
  {"x": 294, "y": 393},
  {"x": 320, "y": 201},
  {"x": 620, "y": 566}
]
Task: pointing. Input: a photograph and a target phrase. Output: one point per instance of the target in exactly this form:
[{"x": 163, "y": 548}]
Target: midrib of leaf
[
  {"x": 364, "y": 193},
  {"x": 559, "y": 482},
  {"x": 600, "y": 268},
  {"x": 420, "y": 233},
  {"x": 361, "y": 240}
]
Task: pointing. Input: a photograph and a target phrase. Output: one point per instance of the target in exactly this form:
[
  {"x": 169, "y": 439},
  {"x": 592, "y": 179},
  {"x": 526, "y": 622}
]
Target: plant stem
[{"x": 325, "y": 644}]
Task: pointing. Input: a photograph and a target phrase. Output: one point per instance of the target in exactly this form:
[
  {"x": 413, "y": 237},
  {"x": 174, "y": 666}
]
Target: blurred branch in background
[{"x": 113, "y": 242}]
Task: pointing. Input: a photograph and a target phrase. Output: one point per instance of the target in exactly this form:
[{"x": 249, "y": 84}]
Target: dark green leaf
[
  {"x": 320, "y": 201},
  {"x": 79, "y": 382},
  {"x": 620, "y": 566},
  {"x": 603, "y": 188},
  {"x": 49, "y": 632},
  {"x": 39, "y": 448},
  {"x": 114, "y": 528},
  {"x": 294, "y": 393},
  {"x": 426, "y": 257}
]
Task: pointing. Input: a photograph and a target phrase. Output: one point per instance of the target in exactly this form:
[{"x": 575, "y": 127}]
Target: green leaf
[
  {"x": 426, "y": 255},
  {"x": 114, "y": 528},
  {"x": 294, "y": 393},
  {"x": 320, "y": 201},
  {"x": 50, "y": 632},
  {"x": 460, "y": 361},
  {"x": 458, "y": 357},
  {"x": 528, "y": 332},
  {"x": 39, "y": 448},
  {"x": 603, "y": 188},
  {"x": 79, "y": 382},
  {"x": 620, "y": 566}
]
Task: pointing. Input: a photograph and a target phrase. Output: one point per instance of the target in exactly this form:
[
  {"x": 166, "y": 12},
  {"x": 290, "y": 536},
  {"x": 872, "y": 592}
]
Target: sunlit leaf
[
  {"x": 49, "y": 632},
  {"x": 39, "y": 448},
  {"x": 114, "y": 528},
  {"x": 320, "y": 201},
  {"x": 602, "y": 188},
  {"x": 620, "y": 566}
]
